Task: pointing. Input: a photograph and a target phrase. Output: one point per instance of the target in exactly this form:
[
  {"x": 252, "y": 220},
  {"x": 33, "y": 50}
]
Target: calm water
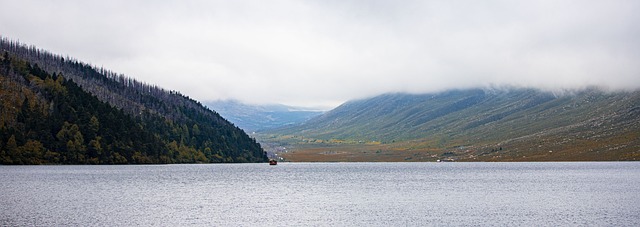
[{"x": 335, "y": 194}]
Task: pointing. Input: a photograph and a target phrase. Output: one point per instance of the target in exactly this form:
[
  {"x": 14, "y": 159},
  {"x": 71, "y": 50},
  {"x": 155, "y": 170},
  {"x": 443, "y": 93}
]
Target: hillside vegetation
[
  {"x": 476, "y": 124},
  {"x": 57, "y": 110}
]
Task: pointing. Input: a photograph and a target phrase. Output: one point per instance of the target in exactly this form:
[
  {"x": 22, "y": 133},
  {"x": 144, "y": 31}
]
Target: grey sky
[{"x": 322, "y": 53}]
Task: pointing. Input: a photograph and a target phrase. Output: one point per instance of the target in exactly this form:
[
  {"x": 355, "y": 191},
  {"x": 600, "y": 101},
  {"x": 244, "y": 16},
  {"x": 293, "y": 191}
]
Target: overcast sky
[{"x": 322, "y": 53}]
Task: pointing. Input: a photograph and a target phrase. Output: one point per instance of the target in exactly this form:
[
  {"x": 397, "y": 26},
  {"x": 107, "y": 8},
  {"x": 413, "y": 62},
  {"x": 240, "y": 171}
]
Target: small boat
[{"x": 273, "y": 162}]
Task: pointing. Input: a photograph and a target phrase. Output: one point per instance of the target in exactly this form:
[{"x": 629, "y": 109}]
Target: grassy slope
[{"x": 499, "y": 125}]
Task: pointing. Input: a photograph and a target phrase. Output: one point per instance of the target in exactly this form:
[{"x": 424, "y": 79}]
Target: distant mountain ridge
[
  {"x": 254, "y": 118},
  {"x": 60, "y": 110},
  {"x": 491, "y": 123}
]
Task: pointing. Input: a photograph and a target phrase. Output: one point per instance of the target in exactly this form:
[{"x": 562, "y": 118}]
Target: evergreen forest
[{"x": 57, "y": 110}]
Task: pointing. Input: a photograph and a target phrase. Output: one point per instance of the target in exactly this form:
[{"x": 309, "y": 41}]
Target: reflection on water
[{"x": 294, "y": 194}]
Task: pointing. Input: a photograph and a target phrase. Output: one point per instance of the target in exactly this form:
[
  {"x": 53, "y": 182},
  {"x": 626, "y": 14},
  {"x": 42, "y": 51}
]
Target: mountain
[
  {"x": 60, "y": 110},
  {"x": 254, "y": 118},
  {"x": 488, "y": 124}
]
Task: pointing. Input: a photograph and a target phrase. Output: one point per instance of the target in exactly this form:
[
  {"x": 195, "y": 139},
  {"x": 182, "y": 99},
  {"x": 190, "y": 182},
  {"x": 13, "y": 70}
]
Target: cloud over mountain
[{"x": 321, "y": 53}]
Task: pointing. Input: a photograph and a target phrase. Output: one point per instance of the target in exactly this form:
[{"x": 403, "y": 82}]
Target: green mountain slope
[
  {"x": 501, "y": 124},
  {"x": 57, "y": 110}
]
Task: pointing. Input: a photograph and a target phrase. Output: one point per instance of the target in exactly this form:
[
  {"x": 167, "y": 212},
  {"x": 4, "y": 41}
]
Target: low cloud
[{"x": 322, "y": 53}]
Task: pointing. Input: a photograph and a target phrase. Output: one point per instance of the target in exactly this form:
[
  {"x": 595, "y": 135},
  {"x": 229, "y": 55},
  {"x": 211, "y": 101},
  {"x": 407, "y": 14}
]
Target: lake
[{"x": 323, "y": 194}]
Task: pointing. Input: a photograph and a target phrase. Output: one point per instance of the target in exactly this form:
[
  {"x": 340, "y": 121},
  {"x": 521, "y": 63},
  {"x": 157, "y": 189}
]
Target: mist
[{"x": 322, "y": 53}]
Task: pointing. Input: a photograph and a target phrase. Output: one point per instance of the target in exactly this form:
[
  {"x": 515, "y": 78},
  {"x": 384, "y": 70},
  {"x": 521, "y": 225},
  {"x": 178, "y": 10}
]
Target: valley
[{"x": 254, "y": 118}]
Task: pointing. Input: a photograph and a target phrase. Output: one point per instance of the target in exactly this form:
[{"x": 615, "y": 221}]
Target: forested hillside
[{"x": 57, "y": 110}]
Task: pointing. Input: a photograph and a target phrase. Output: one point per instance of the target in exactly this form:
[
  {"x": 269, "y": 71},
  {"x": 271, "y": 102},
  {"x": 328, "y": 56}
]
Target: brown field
[
  {"x": 576, "y": 146},
  {"x": 547, "y": 149},
  {"x": 357, "y": 153}
]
